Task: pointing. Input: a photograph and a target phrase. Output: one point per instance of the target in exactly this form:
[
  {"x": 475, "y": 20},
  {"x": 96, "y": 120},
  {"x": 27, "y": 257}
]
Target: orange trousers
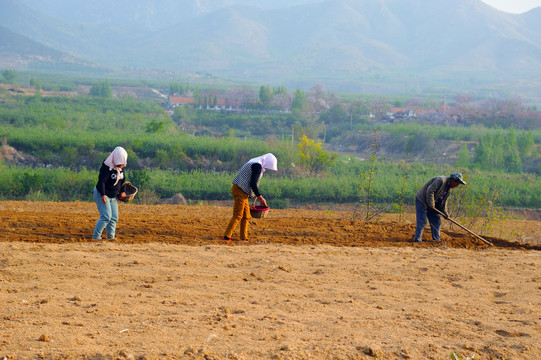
[{"x": 241, "y": 213}]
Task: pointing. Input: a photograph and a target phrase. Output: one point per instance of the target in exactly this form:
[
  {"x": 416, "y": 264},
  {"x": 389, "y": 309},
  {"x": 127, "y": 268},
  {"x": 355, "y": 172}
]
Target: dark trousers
[{"x": 434, "y": 220}]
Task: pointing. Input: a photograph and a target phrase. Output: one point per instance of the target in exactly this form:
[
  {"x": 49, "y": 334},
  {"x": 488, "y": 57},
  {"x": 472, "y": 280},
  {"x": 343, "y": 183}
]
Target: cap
[{"x": 457, "y": 177}]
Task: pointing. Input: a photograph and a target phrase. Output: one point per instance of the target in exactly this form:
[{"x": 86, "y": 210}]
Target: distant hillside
[
  {"x": 141, "y": 15},
  {"x": 22, "y": 46},
  {"x": 341, "y": 38},
  {"x": 15, "y": 48},
  {"x": 39, "y": 27},
  {"x": 349, "y": 45}
]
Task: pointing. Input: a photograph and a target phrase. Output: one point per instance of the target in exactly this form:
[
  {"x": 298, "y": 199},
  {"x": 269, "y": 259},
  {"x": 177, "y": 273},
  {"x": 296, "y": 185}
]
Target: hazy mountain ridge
[
  {"x": 21, "y": 45},
  {"x": 16, "y": 48},
  {"x": 291, "y": 41},
  {"x": 151, "y": 15}
]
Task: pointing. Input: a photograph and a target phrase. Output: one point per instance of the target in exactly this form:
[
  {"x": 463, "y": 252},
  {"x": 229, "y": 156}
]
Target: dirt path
[{"x": 168, "y": 288}]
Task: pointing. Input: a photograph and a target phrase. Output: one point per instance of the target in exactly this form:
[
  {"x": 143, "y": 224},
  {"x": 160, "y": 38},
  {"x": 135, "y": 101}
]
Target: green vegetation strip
[{"x": 63, "y": 184}]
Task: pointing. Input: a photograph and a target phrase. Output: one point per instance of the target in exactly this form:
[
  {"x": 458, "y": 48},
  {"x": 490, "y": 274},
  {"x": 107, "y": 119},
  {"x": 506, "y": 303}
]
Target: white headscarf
[
  {"x": 119, "y": 156},
  {"x": 267, "y": 161}
]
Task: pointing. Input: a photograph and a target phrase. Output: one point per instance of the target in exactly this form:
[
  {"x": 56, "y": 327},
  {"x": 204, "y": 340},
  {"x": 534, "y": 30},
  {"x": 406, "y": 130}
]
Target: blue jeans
[
  {"x": 108, "y": 216},
  {"x": 433, "y": 218}
]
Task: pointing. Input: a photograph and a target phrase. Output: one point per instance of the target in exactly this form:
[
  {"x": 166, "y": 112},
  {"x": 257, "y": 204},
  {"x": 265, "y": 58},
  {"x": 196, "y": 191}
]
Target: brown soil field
[{"x": 311, "y": 284}]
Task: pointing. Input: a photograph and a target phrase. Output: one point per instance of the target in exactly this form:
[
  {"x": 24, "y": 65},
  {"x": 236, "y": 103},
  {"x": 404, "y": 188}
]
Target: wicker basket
[
  {"x": 130, "y": 191},
  {"x": 259, "y": 212}
]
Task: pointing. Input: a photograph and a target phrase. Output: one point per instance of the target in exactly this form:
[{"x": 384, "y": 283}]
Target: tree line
[{"x": 68, "y": 137}]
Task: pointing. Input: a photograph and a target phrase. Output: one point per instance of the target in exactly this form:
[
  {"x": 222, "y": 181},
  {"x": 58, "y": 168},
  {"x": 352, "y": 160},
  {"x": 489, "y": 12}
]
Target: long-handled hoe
[{"x": 471, "y": 232}]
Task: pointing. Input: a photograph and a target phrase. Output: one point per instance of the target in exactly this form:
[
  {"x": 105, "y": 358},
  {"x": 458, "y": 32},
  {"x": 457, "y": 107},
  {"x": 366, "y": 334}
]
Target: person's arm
[
  {"x": 445, "y": 210},
  {"x": 100, "y": 186},
  {"x": 122, "y": 193},
  {"x": 430, "y": 191},
  {"x": 256, "y": 172}
]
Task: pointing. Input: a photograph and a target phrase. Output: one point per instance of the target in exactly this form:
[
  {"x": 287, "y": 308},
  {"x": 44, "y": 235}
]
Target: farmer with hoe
[
  {"x": 430, "y": 200},
  {"x": 245, "y": 185}
]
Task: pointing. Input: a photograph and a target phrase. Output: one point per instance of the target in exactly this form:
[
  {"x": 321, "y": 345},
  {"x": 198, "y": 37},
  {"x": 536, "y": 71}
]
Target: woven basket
[
  {"x": 259, "y": 212},
  {"x": 130, "y": 191}
]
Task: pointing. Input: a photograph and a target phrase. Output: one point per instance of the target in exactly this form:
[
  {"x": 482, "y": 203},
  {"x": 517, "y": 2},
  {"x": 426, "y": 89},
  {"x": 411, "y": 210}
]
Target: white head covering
[
  {"x": 267, "y": 161},
  {"x": 119, "y": 156}
]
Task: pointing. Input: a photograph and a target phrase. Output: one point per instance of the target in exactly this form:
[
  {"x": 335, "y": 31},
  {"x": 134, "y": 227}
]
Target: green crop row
[{"x": 388, "y": 185}]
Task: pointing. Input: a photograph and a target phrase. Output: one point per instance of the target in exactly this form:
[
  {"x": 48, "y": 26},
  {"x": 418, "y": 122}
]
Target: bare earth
[{"x": 310, "y": 285}]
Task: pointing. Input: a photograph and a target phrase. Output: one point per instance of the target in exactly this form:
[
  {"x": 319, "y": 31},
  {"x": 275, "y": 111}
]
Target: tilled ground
[
  {"x": 203, "y": 224},
  {"x": 312, "y": 284}
]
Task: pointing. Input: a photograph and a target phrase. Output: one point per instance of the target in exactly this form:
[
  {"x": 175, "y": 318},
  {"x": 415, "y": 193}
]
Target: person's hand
[
  {"x": 122, "y": 195},
  {"x": 104, "y": 199},
  {"x": 262, "y": 201},
  {"x": 445, "y": 216}
]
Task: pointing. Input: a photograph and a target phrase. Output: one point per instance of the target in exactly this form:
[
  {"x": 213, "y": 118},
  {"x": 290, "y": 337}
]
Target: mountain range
[{"x": 351, "y": 45}]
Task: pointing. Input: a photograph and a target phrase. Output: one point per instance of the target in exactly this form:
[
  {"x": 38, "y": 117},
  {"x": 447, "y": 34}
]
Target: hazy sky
[{"x": 514, "y": 6}]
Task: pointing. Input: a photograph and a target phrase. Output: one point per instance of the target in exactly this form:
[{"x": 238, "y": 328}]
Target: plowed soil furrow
[{"x": 199, "y": 225}]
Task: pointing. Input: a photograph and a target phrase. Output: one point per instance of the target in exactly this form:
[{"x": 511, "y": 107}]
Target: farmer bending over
[
  {"x": 434, "y": 196},
  {"x": 245, "y": 185}
]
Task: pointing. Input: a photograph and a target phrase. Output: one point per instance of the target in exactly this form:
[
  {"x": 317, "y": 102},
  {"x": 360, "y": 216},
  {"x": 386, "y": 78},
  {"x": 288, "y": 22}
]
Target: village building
[{"x": 401, "y": 113}]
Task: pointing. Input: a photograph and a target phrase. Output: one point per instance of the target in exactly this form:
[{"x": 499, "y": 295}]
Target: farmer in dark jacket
[
  {"x": 110, "y": 185},
  {"x": 434, "y": 196}
]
